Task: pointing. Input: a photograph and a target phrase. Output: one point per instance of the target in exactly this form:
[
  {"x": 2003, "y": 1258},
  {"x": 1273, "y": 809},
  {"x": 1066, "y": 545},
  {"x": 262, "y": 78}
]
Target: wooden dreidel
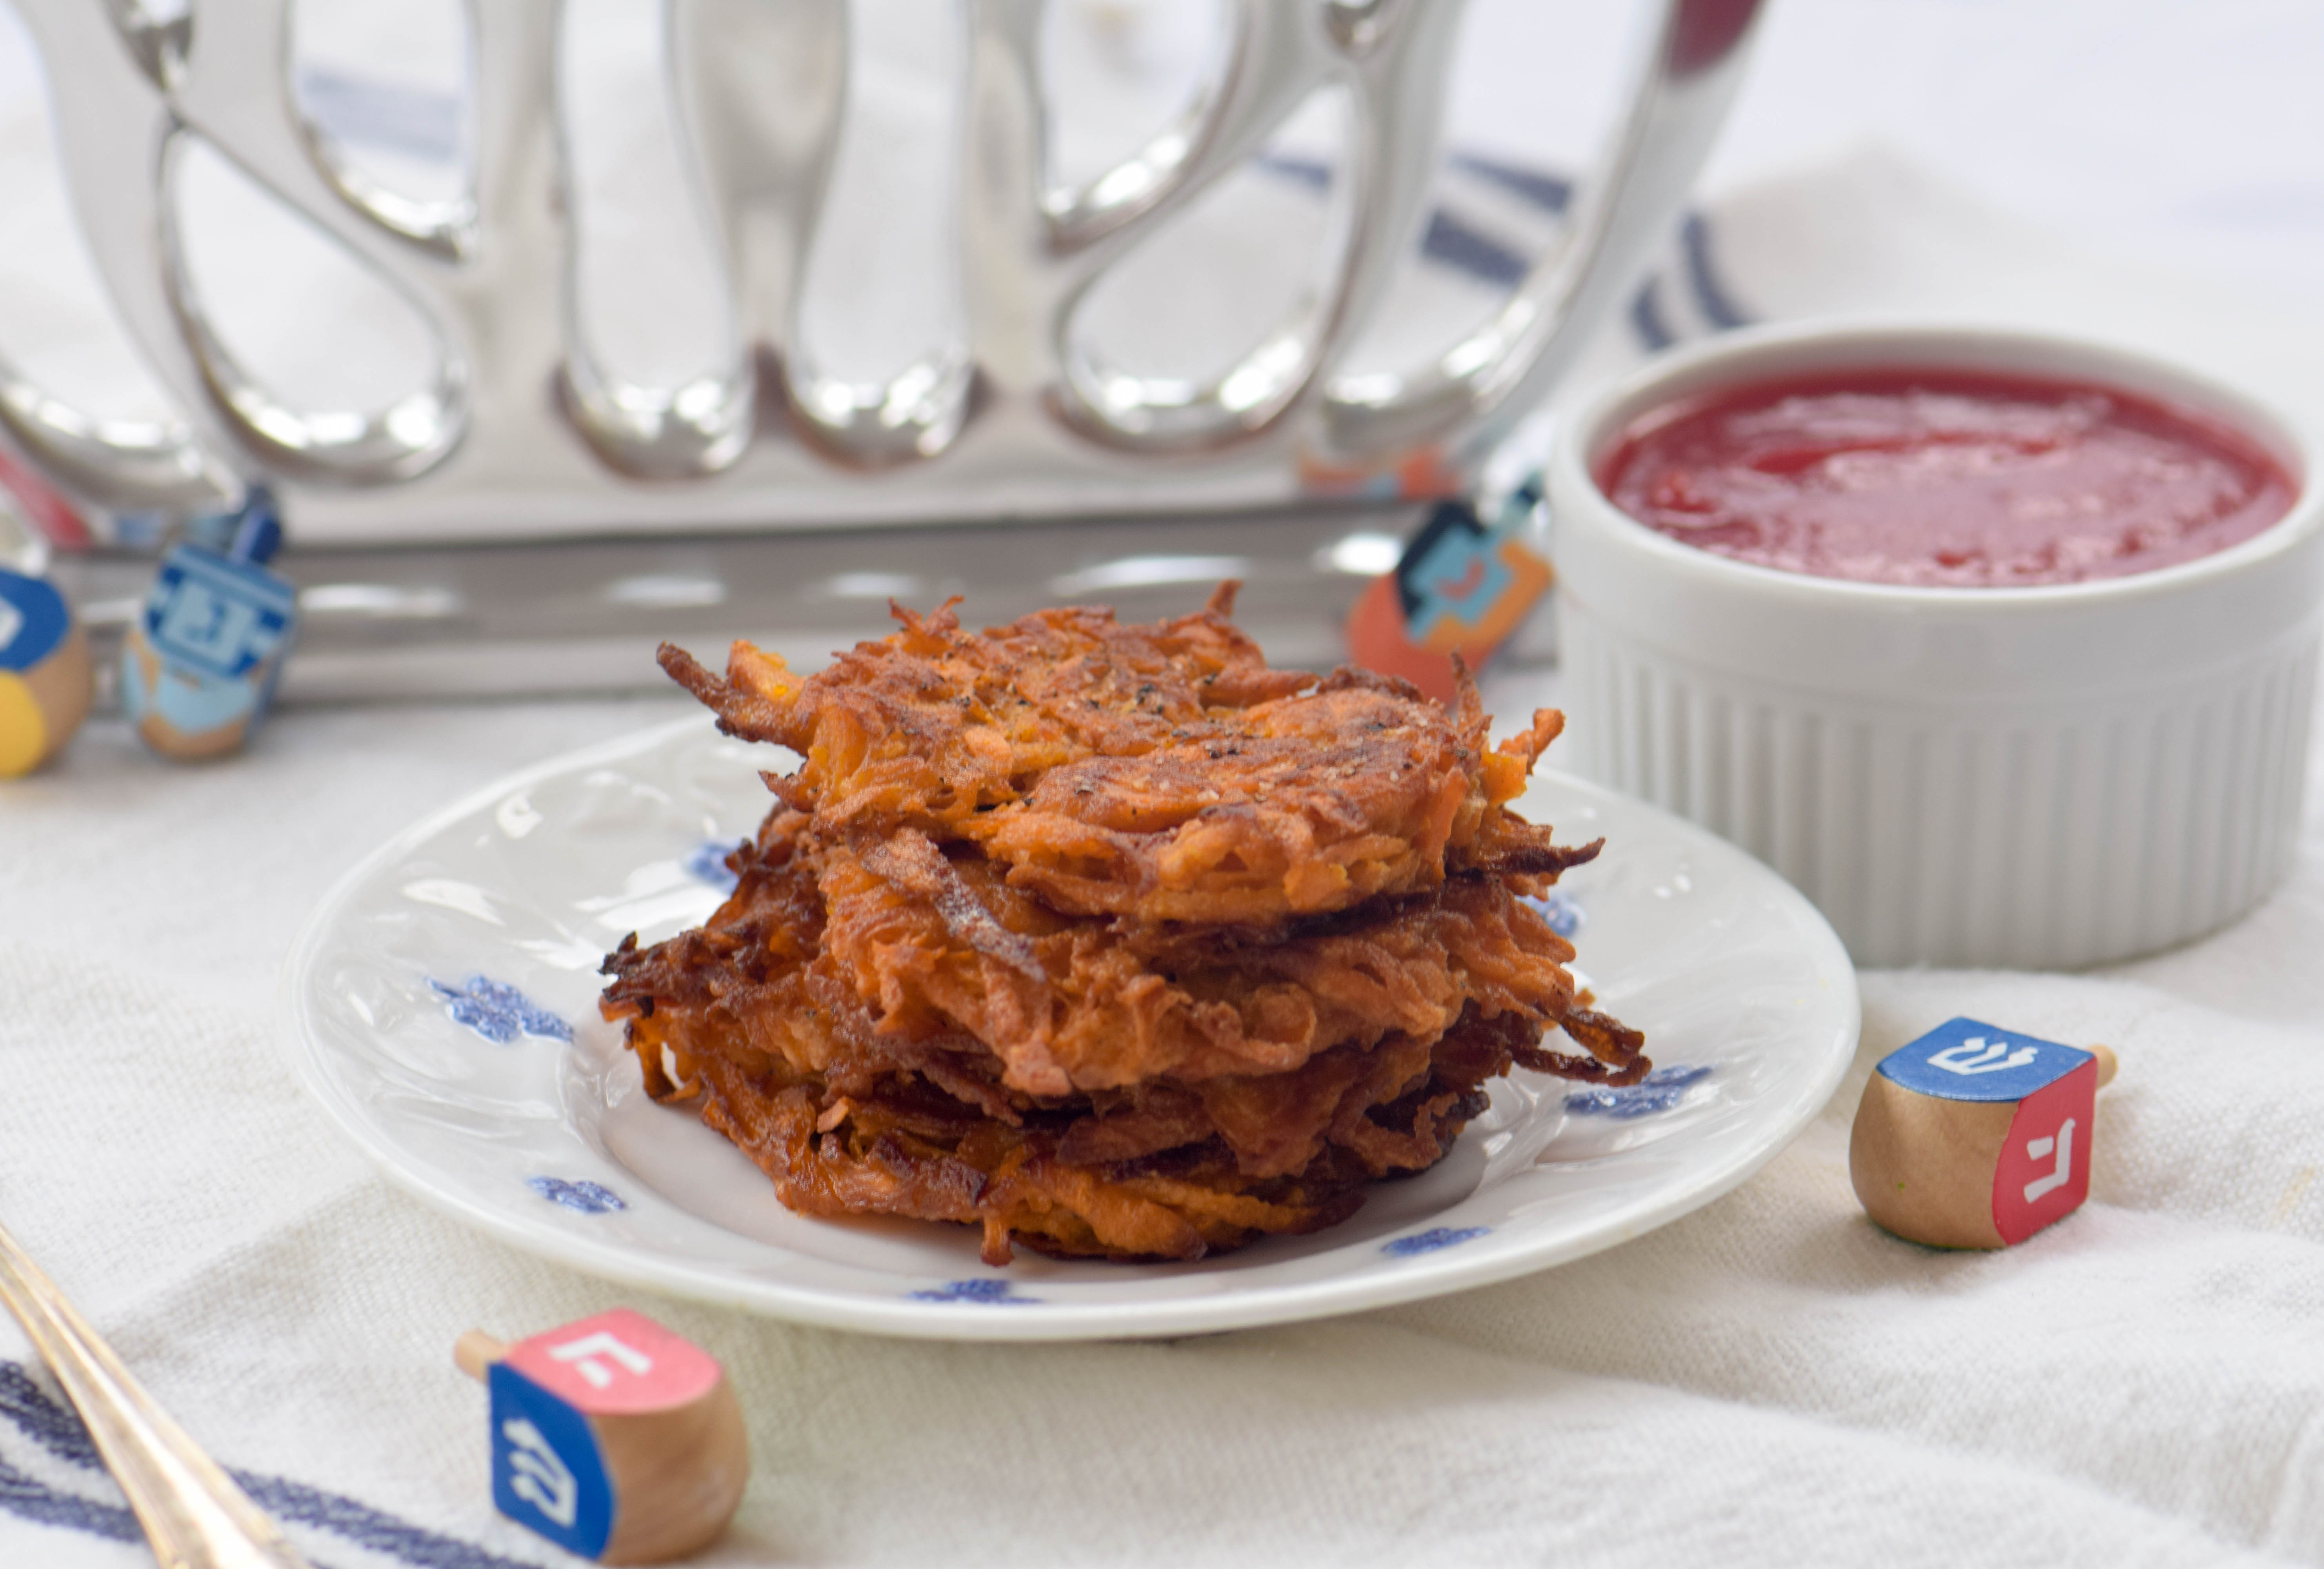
[
  {"x": 612, "y": 1438},
  {"x": 1976, "y": 1137},
  {"x": 44, "y": 673},
  {"x": 199, "y": 666}
]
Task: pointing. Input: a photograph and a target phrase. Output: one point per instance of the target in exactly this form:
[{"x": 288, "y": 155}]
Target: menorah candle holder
[{"x": 521, "y": 432}]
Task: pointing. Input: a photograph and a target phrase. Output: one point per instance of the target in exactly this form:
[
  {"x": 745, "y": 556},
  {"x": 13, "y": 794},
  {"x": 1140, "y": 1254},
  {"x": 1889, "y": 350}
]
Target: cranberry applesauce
[{"x": 1943, "y": 478}]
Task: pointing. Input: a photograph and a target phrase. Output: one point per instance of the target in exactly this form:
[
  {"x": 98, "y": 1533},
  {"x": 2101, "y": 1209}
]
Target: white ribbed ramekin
[{"x": 2042, "y": 778}]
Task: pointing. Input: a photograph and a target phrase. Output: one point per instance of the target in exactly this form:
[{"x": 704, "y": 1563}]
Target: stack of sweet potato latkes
[{"x": 1110, "y": 940}]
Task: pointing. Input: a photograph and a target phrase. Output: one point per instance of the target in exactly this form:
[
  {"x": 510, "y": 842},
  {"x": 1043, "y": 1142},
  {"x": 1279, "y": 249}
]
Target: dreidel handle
[
  {"x": 2107, "y": 1063},
  {"x": 476, "y": 1352}
]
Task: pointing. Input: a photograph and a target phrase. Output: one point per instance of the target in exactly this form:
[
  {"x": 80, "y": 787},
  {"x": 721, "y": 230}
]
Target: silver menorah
[{"x": 521, "y": 431}]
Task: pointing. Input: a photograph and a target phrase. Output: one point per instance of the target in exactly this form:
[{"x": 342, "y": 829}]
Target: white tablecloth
[{"x": 1767, "y": 1380}]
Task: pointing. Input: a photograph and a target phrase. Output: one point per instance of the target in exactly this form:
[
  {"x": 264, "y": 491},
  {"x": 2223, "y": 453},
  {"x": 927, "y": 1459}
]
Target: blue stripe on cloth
[
  {"x": 1448, "y": 239},
  {"x": 1457, "y": 246},
  {"x": 1719, "y": 307},
  {"x": 1311, "y": 172},
  {"x": 1647, "y": 317},
  {"x": 58, "y": 1429},
  {"x": 49, "y": 1425},
  {"x": 30, "y": 1499},
  {"x": 1555, "y": 193},
  {"x": 366, "y": 1527},
  {"x": 1456, "y": 243},
  {"x": 1549, "y": 192}
]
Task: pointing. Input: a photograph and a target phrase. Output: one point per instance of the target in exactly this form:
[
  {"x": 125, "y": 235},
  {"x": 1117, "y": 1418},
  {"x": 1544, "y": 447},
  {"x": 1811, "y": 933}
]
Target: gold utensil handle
[{"x": 193, "y": 1514}]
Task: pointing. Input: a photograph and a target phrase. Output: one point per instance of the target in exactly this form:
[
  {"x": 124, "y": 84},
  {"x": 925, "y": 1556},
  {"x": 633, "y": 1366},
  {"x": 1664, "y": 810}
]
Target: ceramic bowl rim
[{"x": 1749, "y": 354}]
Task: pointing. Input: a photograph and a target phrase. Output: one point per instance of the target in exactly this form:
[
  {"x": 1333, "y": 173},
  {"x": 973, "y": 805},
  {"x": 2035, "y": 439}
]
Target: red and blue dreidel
[
  {"x": 611, "y": 1436},
  {"x": 1976, "y": 1137},
  {"x": 44, "y": 672},
  {"x": 200, "y": 664}
]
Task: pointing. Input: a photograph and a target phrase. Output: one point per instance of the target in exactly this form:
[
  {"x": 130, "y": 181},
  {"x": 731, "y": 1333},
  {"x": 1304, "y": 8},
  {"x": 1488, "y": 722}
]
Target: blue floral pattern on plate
[
  {"x": 1563, "y": 914},
  {"x": 580, "y": 1194},
  {"x": 498, "y": 1013},
  {"x": 990, "y": 1293},
  {"x": 1659, "y": 1091},
  {"x": 1431, "y": 1240},
  {"x": 708, "y": 863}
]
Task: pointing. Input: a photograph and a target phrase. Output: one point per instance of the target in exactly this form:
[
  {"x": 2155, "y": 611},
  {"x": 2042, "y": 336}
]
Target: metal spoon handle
[{"x": 193, "y": 1514}]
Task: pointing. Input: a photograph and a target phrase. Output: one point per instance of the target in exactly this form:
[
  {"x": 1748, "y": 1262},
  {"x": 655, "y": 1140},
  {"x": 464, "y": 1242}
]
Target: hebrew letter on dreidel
[
  {"x": 2060, "y": 1174},
  {"x": 583, "y": 1355},
  {"x": 537, "y": 1476},
  {"x": 1978, "y": 1055}
]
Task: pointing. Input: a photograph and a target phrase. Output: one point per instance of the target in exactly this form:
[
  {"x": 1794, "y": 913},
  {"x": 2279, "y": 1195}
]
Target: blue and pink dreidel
[
  {"x": 198, "y": 667},
  {"x": 612, "y": 1438},
  {"x": 44, "y": 673},
  {"x": 1976, "y": 1137}
]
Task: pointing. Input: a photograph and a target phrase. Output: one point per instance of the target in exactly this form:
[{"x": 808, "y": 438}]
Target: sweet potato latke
[{"x": 1110, "y": 940}]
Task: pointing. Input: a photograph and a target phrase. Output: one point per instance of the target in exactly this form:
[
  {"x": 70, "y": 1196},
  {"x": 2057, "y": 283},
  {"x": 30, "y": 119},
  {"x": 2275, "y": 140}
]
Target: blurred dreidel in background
[
  {"x": 200, "y": 664},
  {"x": 1461, "y": 586},
  {"x": 44, "y": 673},
  {"x": 1976, "y": 1137},
  {"x": 611, "y": 1436}
]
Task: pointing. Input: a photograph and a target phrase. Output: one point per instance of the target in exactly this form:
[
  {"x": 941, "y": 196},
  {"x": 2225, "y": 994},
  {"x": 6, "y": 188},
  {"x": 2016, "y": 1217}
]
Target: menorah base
[{"x": 510, "y": 620}]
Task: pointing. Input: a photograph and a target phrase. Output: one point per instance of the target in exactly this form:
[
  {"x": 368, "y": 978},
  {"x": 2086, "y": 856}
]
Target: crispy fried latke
[
  {"x": 1157, "y": 772},
  {"x": 921, "y": 946},
  {"x": 932, "y": 724},
  {"x": 1077, "y": 1185},
  {"x": 1110, "y": 940}
]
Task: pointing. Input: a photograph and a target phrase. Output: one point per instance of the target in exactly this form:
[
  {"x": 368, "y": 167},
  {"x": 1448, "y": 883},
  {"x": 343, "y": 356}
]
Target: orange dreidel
[
  {"x": 612, "y": 1438},
  {"x": 1461, "y": 587},
  {"x": 1976, "y": 1137}
]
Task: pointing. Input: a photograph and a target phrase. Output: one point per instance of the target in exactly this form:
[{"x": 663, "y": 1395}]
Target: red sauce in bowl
[{"x": 1943, "y": 478}]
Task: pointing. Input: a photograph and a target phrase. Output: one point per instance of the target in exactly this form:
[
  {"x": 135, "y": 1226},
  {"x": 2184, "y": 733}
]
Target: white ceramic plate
[{"x": 441, "y": 1006}]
